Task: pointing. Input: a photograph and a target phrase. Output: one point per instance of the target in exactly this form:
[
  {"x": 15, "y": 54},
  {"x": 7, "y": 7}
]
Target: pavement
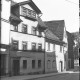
[{"x": 31, "y": 77}]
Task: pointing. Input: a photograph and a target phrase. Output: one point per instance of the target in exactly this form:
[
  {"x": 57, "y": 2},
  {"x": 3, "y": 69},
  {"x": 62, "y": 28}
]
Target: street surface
[{"x": 69, "y": 76}]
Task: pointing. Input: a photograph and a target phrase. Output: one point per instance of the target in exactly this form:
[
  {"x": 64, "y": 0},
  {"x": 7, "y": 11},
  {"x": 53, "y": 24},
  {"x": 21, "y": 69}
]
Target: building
[
  {"x": 70, "y": 51},
  {"x": 24, "y": 34},
  {"x": 56, "y": 46},
  {"x": 4, "y": 36}
]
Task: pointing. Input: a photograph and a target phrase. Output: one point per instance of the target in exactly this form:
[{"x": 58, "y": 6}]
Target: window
[
  {"x": 33, "y": 14},
  {"x": 53, "y": 47},
  {"x": 24, "y": 45},
  {"x": 24, "y": 11},
  {"x": 60, "y": 48},
  {"x": 15, "y": 45},
  {"x": 39, "y": 63},
  {"x": 39, "y": 47},
  {"x": 24, "y": 28},
  {"x": 33, "y": 46},
  {"x": 24, "y": 64},
  {"x": 53, "y": 64},
  {"x": 48, "y": 46},
  {"x": 33, "y": 30},
  {"x": 48, "y": 64},
  {"x": 15, "y": 28},
  {"x": 28, "y": 12},
  {"x": 33, "y": 64},
  {"x": 40, "y": 33}
]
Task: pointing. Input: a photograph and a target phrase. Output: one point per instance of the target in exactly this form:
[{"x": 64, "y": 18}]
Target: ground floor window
[
  {"x": 24, "y": 64},
  {"x": 53, "y": 64},
  {"x": 33, "y": 64},
  {"x": 39, "y": 63},
  {"x": 48, "y": 64}
]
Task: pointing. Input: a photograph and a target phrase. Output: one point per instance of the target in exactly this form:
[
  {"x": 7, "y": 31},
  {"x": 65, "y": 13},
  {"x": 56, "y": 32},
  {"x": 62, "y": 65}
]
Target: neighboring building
[
  {"x": 70, "y": 50},
  {"x": 25, "y": 36},
  {"x": 57, "y": 39},
  {"x": 4, "y": 36}
]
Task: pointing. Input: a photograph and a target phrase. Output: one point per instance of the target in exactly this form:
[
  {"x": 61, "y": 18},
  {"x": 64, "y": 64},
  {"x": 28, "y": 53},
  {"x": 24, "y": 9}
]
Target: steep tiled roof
[
  {"x": 57, "y": 27},
  {"x": 50, "y": 35}
]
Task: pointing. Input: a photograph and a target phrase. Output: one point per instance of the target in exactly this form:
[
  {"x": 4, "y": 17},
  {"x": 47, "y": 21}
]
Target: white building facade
[
  {"x": 25, "y": 36},
  {"x": 56, "y": 47}
]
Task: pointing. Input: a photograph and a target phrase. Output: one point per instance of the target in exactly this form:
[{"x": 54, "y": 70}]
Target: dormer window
[{"x": 28, "y": 13}]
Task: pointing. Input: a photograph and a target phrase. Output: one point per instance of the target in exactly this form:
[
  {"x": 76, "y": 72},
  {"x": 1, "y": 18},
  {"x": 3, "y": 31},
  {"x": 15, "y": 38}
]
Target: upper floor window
[
  {"x": 28, "y": 12},
  {"x": 40, "y": 33},
  {"x": 39, "y": 47},
  {"x": 24, "y": 45},
  {"x": 24, "y": 28},
  {"x": 15, "y": 28},
  {"x": 33, "y": 30},
  {"x": 60, "y": 48},
  {"x": 33, "y": 46},
  {"x": 14, "y": 45},
  {"x": 53, "y": 47}
]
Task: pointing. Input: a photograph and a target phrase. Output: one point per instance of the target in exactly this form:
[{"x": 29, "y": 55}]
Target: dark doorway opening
[{"x": 16, "y": 67}]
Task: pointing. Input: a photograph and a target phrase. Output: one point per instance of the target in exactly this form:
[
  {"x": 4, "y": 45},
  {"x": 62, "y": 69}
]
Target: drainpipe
[
  {"x": 44, "y": 52},
  {"x": 9, "y": 45}
]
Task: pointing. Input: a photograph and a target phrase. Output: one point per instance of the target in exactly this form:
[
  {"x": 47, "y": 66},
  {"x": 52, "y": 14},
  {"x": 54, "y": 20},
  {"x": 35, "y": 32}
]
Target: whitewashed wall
[
  {"x": 59, "y": 57},
  {"x": 27, "y": 37},
  {"x": 5, "y": 26}
]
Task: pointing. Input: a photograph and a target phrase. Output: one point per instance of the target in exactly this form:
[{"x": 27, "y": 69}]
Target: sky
[{"x": 67, "y": 10}]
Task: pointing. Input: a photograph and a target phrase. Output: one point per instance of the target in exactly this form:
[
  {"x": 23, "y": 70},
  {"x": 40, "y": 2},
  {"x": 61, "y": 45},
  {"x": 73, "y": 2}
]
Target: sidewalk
[{"x": 29, "y": 77}]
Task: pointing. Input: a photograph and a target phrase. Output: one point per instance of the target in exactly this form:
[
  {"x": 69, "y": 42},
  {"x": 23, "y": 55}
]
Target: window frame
[
  {"x": 48, "y": 64},
  {"x": 24, "y": 43},
  {"x": 39, "y": 64},
  {"x": 25, "y": 64},
  {"x": 13, "y": 44},
  {"x": 32, "y": 46},
  {"x": 33, "y": 64},
  {"x": 24, "y": 29},
  {"x": 34, "y": 30},
  {"x": 28, "y": 12},
  {"x": 39, "y": 45}
]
